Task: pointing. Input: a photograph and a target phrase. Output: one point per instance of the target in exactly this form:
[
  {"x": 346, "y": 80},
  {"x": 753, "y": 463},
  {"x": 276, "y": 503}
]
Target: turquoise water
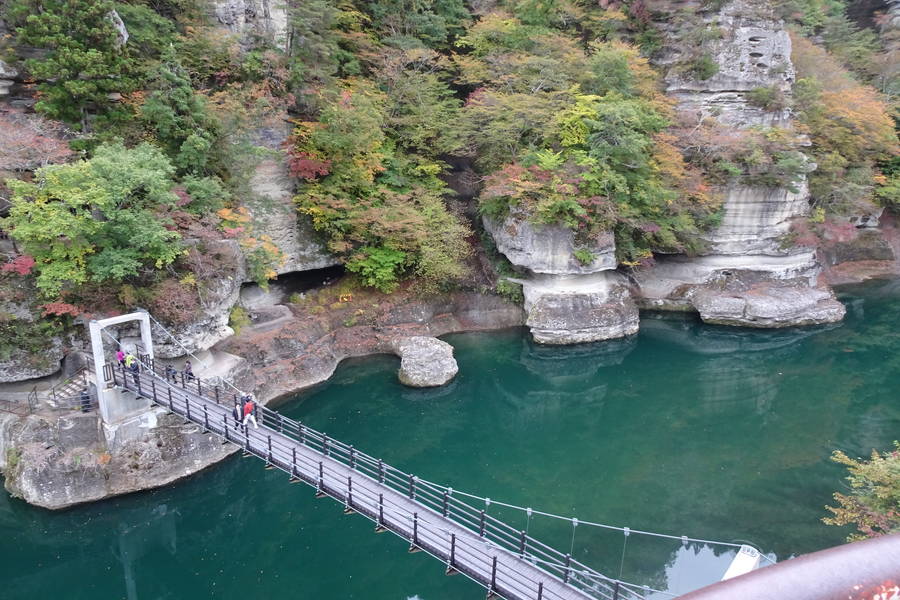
[{"x": 687, "y": 429}]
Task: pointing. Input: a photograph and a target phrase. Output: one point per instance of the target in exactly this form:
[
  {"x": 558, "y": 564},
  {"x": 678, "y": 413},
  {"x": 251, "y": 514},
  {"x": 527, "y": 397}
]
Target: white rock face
[
  {"x": 425, "y": 361},
  {"x": 576, "y": 309},
  {"x": 769, "y": 305},
  {"x": 748, "y": 277},
  {"x": 756, "y": 219},
  {"x": 567, "y": 302},
  {"x": 246, "y": 18},
  {"x": 549, "y": 248},
  {"x": 278, "y": 218},
  {"x": 7, "y": 74},
  {"x": 754, "y": 51}
]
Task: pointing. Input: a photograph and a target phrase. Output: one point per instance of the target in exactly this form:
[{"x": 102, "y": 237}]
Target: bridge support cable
[{"x": 484, "y": 549}]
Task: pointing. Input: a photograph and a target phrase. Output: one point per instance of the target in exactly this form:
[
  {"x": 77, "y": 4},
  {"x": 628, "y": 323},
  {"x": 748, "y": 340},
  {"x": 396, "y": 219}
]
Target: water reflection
[{"x": 139, "y": 539}]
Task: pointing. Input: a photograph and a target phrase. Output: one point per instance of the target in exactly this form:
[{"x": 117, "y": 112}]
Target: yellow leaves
[{"x": 188, "y": 279}]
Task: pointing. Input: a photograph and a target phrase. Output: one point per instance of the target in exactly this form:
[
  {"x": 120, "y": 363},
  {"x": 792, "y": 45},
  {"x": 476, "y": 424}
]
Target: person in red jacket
[{"x": 250, "y": 412}]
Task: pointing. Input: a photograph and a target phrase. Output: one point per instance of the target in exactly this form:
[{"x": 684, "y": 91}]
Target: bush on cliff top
[{"x": 95, "y": 220}]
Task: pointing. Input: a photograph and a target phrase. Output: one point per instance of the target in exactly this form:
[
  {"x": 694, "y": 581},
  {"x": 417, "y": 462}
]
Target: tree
[
  {"x": 873, "y": 504},
  {"x": 179, "y": 117},
  {"x": 379, "y": 207},
  {"x": 86, "y": 58},
  {"x": 95, "y": 220}
]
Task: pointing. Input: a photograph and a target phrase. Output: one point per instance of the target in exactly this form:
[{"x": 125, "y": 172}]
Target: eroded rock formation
[
  {"x": 568, "y": 300},
  {"x": 749, "y": 275}
]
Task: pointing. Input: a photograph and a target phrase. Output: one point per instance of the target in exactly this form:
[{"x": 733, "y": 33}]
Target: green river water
[{"x": 711, "y": 432}]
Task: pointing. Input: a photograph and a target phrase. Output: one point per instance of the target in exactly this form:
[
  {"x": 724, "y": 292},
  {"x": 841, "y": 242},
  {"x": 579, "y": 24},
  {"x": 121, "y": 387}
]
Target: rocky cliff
[
  {"x": 748, "y": 275},
  {"x": 572, "y": 292}
]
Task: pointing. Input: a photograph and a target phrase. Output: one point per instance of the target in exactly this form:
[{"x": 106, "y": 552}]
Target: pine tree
[
  {"x": 86, "y": 59},
  {"x": 179, "y": 117}
]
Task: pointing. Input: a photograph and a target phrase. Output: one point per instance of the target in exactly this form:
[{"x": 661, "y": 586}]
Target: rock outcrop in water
[
  {"x": 567, "y": 300},
  {"x": 748, "y": 276},
  {"x": 425, "y": 361}
]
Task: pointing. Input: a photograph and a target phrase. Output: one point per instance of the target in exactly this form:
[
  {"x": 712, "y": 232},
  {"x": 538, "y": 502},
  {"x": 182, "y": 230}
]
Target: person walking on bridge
[
  {"x": 237, "y": 413},
  {"x": 250, "y": 412}
]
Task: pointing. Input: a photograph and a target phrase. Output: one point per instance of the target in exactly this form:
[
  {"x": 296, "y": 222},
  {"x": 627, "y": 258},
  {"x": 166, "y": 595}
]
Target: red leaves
[
  {"x": 21, "y": 265},
  {"x": 60, "y": 309},
  {"x": 183, "y": 197},
  {"x": 306, "y": 166}
]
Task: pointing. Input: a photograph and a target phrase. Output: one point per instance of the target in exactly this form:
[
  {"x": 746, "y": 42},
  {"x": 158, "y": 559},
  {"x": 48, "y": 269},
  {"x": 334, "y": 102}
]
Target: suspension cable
[{"x": 625, "y": 530}]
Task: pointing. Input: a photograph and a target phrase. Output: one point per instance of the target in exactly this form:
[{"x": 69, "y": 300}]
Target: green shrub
[
  {"x": 767, "y": 98},
  {"x": 238, "y": 319},
  {"x": 56, "y": 220},
  {"x": 378, "y": 267},
  {"x": 584, "y": 256},
  {"x": 510, "y": 290},
  {"x": 703, "y": 67}
]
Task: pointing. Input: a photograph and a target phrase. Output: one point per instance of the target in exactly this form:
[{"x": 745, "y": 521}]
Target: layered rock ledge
[{"x": 568, "y": 300}]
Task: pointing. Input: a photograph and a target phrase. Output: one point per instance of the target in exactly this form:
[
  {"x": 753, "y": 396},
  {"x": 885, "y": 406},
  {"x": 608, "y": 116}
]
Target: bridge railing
[{"x": 437, "y": 498}]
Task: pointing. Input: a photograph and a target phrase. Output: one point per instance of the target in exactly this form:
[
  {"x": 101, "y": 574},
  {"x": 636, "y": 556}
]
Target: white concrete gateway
[{"x": 110, "y": 399}]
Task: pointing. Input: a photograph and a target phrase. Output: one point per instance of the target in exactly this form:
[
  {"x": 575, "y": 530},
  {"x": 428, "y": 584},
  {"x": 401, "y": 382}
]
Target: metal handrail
[{"x": 486, "y": 526}]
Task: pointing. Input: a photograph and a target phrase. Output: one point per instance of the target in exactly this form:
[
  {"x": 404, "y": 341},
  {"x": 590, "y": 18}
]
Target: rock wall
[
  {"x": 57, "y": 462},
  {"x": 275, "y": 212},
  {"x": 305, "y": 349},
  {"x": 748, "y": 276},
  {"x": 567, "y": 300},
  {"x": 267, "y": 19}
]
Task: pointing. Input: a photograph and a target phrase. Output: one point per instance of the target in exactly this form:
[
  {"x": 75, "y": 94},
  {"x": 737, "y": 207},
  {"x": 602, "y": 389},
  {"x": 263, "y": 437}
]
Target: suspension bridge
[{"x": 433, "y": 518}]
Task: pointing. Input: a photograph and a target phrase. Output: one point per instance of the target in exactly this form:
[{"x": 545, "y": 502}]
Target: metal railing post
[
  {"x": 568, "y": 562},
  {"x": 205, "y": 419},
  {"x": 522, "y": 542},
  {"x": 452, "y": 566},
  {"x": 225, "y": 427},
  {"x": 182, "y": 380},
  {"x": 412, "y": 487},
  {"x": 217, "y": 395},
  {"x": 380, "y": 471},
  {"x": 320, "y": 486},
  {"x": 616, "y": 591},
  {"x": 302, "y": 428},
  {"x": 540, "y": 595},
  {"x": 492, "y": 590},
  {"x": 187, "y": 407},
  {"x": 199, "y": 391},
  {"x": 294, "y": 477},
  {"x": 352, "y": 458},
  {"x": 325, "y": 449},
  {"x": 348, "y": 501},
  {"x": 153, "y": 388},
  {"x": 379, "y": 525},
  {"x": 269, "y": 464},
  {"x": 280, "y": 423},
  {"x": 170, "y": 399},
  {"x": 481, "y": 525},
  {"x": 414, "y": 542},
  {"x": 445, "y": 511}
]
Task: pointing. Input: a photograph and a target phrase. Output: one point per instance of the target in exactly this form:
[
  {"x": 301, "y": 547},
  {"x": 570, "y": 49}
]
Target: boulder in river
[{"x": 425, "y": 361}]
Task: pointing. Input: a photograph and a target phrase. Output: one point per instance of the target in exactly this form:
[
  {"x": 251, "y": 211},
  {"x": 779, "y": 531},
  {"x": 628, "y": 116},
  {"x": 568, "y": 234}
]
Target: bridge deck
[{"x": 371, "y": 489}]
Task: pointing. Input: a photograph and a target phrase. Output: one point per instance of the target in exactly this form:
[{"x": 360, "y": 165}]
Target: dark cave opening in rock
[{"x": 281, "y": 289}]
